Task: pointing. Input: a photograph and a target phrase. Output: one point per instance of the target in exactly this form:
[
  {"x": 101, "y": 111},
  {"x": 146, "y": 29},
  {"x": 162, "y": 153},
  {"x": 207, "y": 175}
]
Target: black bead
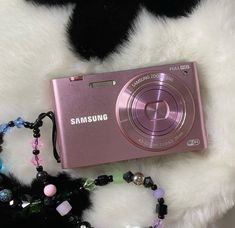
[
  {"x": 161, "y": 201},
  {"x": 11, "y": 124},
  {"x": 28, "y": 125},
  {"x": 48, "y": 202},
  {"x": 39, "y": 168},
  {"x": 81, "y": 188},
  {"x": 36, "y": 152},
  {"x": 36, "y": 131},
  {"x": 73, "y": 219},
  {"x": 87, "y": 224},
  {"x": 1, "y": 139},
  {"x": 1, "y": 180},
  {"x": 161, "y": 209},
  {"x": 36, "y": 135},
  {"x": 110, "y": 178},
  {"x": 46, "y": 182},
  {"x": 128, "y": 177},
  {"x": 148, "y": 182},
  {"x": 154, "y": 187},
  {"x": 102, "y": 180},
  {"x": 42, "y": 176}
]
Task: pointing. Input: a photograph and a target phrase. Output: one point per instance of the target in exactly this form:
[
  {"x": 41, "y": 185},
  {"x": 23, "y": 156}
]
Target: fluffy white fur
[{"x": 199, "y": 186}]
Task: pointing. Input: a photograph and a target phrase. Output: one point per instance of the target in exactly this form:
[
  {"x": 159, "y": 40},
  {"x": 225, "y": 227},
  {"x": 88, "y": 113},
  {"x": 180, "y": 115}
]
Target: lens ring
[{"x": 159, "y": 129}]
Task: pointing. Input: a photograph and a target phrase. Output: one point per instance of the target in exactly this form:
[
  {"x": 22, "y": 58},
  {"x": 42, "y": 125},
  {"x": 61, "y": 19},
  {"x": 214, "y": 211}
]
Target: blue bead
[
  {"x": 19, "y": 122},
  {"x": 4, "y": 128},
  {"x": 1, "y": 164},
  {"x": 5, "y": 195}
]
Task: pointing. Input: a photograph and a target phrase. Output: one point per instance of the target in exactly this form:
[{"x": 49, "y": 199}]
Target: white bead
[
  {"x": 64, "y": 208},
  {"x": 25, "y": 204}
]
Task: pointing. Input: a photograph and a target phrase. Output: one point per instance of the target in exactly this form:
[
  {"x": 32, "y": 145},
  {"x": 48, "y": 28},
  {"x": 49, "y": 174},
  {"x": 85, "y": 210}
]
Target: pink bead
[
  {"x": 64, "y": 208},
  {"x": 36, "y": 143},
  {"x": 159, "y": 193},
  {"x": 158, "y": 223},
  {"x": 50, "y": 190},
  {"x": 36, "y": 160}
]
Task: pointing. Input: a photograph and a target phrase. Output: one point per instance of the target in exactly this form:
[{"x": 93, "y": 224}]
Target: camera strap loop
[{"x": 38, "y": 123}]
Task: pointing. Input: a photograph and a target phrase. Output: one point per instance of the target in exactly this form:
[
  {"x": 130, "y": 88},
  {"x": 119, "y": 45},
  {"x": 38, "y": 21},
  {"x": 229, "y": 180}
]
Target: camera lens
[{"x": 155, "y": 111}]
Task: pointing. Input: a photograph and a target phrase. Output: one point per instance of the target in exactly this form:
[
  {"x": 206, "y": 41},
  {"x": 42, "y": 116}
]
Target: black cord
[
  {"x": 38, "y": 123},
  {"x": 54, "y": 136},
  {"x": 1, "y": 141}
]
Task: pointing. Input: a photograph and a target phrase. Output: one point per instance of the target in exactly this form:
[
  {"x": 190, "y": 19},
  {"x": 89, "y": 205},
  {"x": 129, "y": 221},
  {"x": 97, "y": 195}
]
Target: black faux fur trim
[{"x": 47, "y": 218}]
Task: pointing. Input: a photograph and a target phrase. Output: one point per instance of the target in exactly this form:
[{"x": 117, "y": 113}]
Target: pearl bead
[
  {"x": 138, "y": 178},
  {"x": 50, "y": 190}
]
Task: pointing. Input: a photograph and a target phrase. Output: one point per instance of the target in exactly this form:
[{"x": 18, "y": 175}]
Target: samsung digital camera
[{"x": 107, "y": 117}]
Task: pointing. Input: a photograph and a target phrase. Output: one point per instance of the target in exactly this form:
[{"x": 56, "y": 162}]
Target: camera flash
[{"x": 102, "y": 84}]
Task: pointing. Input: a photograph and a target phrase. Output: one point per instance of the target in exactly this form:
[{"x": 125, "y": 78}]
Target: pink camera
[{"x": 107, "y": 117}]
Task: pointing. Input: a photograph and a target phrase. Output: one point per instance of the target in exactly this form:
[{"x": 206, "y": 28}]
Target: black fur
[
  {"x": 170, "y": 8},
  {"x": 52, "y": 2},
  {"x": 1, "y": 141},
  {"x": 47, "y": 218},
  {"x": 98, "y": 27}
]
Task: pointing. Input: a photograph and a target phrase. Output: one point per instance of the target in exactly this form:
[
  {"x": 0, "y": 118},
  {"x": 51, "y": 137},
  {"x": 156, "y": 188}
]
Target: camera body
[{"x": 115, "y": 116}]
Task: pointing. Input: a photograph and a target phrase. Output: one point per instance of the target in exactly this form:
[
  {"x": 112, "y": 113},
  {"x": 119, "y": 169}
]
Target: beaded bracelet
[{"x": 53, "y": 198}]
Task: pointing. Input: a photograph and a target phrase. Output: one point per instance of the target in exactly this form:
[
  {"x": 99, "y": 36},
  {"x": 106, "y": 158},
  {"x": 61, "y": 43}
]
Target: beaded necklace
[{"x": 61, "y": 202}]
